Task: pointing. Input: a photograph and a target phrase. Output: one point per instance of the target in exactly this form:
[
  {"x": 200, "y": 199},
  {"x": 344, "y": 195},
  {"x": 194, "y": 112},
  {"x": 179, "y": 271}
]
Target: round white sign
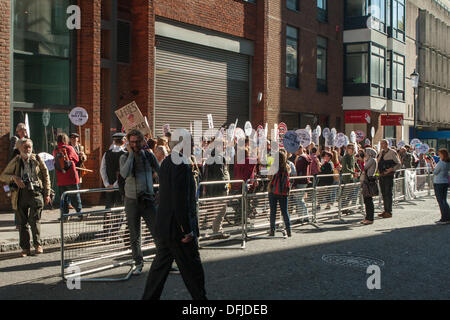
[
  {"x": 360, "y": 135},
  {"x": 372, "y": 132},
  {"x": 415, "y": 142},
  {"x": 334, "y": 130},
  {"x": 78, "y": 116},
  {"x": 326, "y": 132},
  {"x": 248, "y": 128},
  {"x": 319, "y": 130},
  {"x": 401, "y": 144},
  {"x": 423, "y": 148},
  {"x": 340, "y": 140},
  {"x": 304, "y": 136}
]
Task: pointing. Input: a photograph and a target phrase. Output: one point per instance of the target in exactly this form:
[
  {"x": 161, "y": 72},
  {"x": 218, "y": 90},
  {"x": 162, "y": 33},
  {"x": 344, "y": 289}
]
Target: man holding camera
[
  {"x": 28, "y": 177},
  {"x": 388, "y": 163},
  {"x": 137, "y": 167}
]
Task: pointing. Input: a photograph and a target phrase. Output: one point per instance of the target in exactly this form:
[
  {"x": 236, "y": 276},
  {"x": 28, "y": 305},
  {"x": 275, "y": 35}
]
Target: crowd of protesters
[{"x": 136, "y": 163}]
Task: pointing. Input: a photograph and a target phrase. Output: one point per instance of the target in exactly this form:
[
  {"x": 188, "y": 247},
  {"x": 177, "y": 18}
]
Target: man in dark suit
[{"x": 176, "y": 231}]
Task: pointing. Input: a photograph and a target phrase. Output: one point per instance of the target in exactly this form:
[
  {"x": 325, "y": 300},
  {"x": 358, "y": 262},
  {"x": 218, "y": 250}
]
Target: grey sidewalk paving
[{"x": 50, "y": 229}]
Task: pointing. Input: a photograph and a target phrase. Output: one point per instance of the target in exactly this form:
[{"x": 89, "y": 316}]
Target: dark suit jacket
[{"x": 177, "y": 212}]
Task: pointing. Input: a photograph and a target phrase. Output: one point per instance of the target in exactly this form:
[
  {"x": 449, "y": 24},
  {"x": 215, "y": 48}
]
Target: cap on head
[
  {"x": 118, "y": 136},
  {"x": 74, "y": 135}
]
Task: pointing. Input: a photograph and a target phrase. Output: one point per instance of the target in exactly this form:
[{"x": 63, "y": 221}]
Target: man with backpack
[
  {"x": 137, "y": 168},
  {"x": 66, "y": 174}
]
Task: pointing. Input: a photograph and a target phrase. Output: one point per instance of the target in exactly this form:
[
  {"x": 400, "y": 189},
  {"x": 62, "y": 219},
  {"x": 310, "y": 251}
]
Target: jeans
[
  {"x": 370, "y": 209},
  {"x": 440, "y": 190},
  {"x": 134, "y": 210},
  {"x": 334, "y": 191},
  {"x": 300, "y": 201},
  {"x": 387, "y": 185},
  {"x": 283, "y": 200},
  {"x": 75, "y": 199}
]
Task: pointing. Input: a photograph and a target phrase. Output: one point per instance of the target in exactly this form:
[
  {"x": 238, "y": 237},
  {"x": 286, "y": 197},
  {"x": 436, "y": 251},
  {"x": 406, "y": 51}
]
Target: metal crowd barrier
[
  {"x": 221, "y": 212},
  {"x": 234, "y": 210},
  {"x": 98, "y": 242}
]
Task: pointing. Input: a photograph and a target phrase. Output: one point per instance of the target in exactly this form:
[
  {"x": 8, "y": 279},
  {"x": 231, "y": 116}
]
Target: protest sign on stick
[{"x": 131, "y": 118}]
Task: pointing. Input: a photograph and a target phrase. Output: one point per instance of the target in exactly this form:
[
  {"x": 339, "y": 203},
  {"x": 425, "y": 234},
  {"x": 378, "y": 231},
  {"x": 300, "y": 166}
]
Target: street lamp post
[{"x": 415, "y": 84}]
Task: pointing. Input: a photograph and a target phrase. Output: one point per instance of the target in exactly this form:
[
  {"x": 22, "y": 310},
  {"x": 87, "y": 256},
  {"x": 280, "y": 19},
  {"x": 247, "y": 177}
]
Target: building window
[
  {"x": 42, "y": 54},
  {"x": 390, "y": 132},
  {"x": 356, "y": 8},
  {"x": 291, "y": 57},
  {"x": 377, "y": 71},
  {"x": 377, "y": 13},
  {"x": 293, "y": 5},
  {"x": 322, "y": 11},
  {"x": 397, "y": 30},
  {"x": 357, "y": 63},
  {"x": 398, "y": 77},
  {"x": 321, "y": 64}
]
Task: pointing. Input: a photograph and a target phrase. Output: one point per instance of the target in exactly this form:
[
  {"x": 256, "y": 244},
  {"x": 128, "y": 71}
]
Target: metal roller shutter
[{"x": 194, "y": 80}]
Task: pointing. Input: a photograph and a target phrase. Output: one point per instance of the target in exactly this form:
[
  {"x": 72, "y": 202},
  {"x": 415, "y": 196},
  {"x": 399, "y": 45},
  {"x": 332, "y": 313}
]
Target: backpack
[
  {"x": 280, "y": 184},
  {"x": 62, "y": 162},
  {"x": 121, "y": 180}
]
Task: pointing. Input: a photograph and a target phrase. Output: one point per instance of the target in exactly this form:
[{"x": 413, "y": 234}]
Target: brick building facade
[{"x": 117, "y": 49}]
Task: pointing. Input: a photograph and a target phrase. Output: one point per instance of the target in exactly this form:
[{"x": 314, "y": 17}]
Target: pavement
[
  {"x": 50, "y": 229},
  {"x": 327, "y": 263}
]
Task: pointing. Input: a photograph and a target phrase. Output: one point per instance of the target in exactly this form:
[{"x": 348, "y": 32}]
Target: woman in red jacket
[{"x": 66, "y": 174}]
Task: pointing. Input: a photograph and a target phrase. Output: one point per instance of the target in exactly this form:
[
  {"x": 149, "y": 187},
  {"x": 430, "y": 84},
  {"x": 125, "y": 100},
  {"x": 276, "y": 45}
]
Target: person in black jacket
[
  {"x": 176, "y": 231},
  {"x": 324, "y": 195}
]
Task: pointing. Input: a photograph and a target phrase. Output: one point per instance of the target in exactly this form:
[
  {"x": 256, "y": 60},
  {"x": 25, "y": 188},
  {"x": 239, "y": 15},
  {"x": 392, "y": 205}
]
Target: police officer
[{"x": 109, "y": 171}]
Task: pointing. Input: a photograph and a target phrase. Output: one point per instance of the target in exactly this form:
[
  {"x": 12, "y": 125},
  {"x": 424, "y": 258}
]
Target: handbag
[{"x": 371, "y": 185}]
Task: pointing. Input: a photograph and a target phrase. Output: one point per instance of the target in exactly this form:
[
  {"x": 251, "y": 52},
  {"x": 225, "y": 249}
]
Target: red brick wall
[
  {"x": 5, "y": 70},
  {"x": 307, "y": 99},
  {"x": 88, "y": 85},
  {"x": 234, "y": 17}
]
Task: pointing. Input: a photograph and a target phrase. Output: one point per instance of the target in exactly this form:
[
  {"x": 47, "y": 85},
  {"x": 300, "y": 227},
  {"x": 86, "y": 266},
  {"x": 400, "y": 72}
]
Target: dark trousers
[
  {"x": 134, "y": 210},
  {"x": 112, "y": 222},
  {"x": 188, "y": 261},
  {"x": 30, "y": 205},
  {"x": 273, "y": 201},
  {"x": 74, "y": 199},
  {"x": 370, "y": 209},
  {"x": 440, "y": 190},
  {"x": 387, "y": 185}
]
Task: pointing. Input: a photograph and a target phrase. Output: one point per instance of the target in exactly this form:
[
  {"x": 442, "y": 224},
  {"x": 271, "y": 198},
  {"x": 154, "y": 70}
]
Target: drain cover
[{"x": 352, "y": 260}]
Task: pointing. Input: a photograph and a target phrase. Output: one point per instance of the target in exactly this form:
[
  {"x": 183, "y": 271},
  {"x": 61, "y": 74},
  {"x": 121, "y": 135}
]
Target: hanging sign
[
  {"x": 392, "y": 120},
  {"x": 78, "y": 116},
  {"x": 357, "y": 116}
]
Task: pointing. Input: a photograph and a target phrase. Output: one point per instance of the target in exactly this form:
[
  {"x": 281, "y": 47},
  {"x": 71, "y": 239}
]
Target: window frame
[
  {"x": 322, "y": 13},
  {"x": 394, "y": 91},
  {"x": 71, "y": 58},
  {"x": 393, "y": 30},
  {"x": 381, "y": 90},
  {"x": 322, "y": 84},
  {"x": 297, "y": 6},
  {"x": 291, "y": 75}
]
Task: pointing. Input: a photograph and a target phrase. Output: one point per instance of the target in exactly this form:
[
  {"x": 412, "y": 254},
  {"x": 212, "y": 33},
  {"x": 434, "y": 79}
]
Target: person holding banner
[{"x": 440, "y": 179}]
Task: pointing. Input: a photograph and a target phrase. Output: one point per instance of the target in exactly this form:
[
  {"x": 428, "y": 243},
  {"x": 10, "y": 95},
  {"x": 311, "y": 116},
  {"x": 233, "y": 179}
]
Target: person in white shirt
[{"x": 109, "y": 171}]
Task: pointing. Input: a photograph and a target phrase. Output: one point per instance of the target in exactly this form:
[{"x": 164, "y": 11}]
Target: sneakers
[
  {"x": 138, "y": 269},
  {"x": 442, "y": 222},
  {"x": 26, "y": 252},
  {"x": 39, "y": 250},
  {"x": 385, "y": 215},
  {"x": 219, "y": 235}
]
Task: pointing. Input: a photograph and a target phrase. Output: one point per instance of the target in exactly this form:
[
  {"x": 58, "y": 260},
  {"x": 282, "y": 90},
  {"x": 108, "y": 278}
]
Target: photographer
[
  {"x": 388, "y": 163},
  {"x": 137, "y": 168},
  {"x": 30, "y": 183}
]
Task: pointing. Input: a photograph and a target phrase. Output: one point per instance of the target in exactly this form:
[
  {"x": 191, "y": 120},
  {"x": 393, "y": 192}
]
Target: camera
[{"x": 27, "y": 182}]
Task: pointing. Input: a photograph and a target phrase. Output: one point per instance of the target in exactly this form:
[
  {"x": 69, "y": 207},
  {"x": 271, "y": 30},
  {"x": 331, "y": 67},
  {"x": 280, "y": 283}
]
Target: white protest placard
[
  {"x": 372, "y": 132},
  {"x": 325, "y": 132},
  {"x": 319, "y": 130},
  {"x": 239, "y": 133},
  {"x": 415, "y": 142},
  {"x": 131, "y": 118},
  {"x": 360, "y": 135},
  {"x": 352, "y": 137},
  {"x": 210, "y": 121},
  {"x": 304, "y": 136},
  {"x": 401, "y": 144},
  {"x": 291, "y": 142},
  {"x": 248, "y": 128},
  {"x": 334, "y": 130},
  {"x": 423, "y": 148},
  {"x": 46, "y": 118},
  {"x": 347, "y": 141},
  {"x": 78, "y": 116},
  {"x": 166, "y": 127},
  {"x": 340, "y": 140},
  {"x": 315, "y": 137}
]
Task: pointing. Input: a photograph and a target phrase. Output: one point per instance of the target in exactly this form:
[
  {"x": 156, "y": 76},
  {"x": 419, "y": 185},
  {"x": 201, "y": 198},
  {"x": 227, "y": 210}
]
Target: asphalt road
[{"x": 414, "y": 250}]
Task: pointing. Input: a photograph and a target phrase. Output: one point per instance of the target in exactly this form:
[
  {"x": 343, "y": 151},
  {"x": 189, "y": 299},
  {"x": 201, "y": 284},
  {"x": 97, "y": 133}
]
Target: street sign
[{"x": 78, "y": 116}]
